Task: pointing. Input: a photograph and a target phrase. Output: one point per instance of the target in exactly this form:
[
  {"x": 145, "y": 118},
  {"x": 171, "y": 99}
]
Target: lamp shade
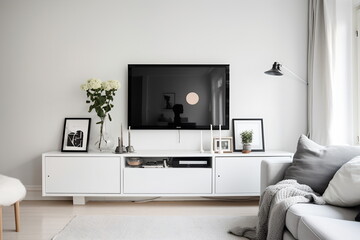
[{"x": 275, "y": 70}]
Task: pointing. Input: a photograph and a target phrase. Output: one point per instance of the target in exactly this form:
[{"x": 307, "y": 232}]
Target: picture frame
[
  {"x": 254, "y": 124},
  {"x": 76, "y": 135},
  {"x": 168, "y": 100},
  {"x": 226, "y": 142}
]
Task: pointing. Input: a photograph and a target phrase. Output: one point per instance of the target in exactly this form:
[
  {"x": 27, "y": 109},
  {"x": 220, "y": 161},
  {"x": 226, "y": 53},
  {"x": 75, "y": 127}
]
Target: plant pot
[{"x": 246, "y": 148}]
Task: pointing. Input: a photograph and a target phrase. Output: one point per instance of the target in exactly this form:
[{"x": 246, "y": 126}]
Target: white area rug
[{"x": 152, "y": 227}]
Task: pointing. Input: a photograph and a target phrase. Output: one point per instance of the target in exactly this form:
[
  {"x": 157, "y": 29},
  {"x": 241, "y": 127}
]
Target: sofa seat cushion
[
  {"x": 295, "y": 212},
  {"x": 315, "y": 228},
  {"x": 287, "y": 235}
]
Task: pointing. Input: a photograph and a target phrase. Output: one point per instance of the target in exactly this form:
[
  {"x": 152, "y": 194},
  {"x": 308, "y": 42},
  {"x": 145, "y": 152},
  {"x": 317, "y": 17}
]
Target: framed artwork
[
  {"x": 254, "y": 124},
  {"x": 168, "y": 100},
  {"x": 76, "y": 135},
  {"x": 226, "y": 143}
]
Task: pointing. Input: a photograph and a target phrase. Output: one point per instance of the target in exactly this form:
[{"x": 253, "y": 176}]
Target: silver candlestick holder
[
  {"x": 129, "y": 149},
  {"x": 120, "y": 148}
]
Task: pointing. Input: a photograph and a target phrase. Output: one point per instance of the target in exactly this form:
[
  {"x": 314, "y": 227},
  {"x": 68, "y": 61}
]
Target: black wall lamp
[{"x": 276, "y": 71}]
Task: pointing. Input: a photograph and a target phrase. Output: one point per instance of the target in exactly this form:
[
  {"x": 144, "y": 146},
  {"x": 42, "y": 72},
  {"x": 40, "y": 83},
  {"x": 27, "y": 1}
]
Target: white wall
[{"x": 48, "y": 48}]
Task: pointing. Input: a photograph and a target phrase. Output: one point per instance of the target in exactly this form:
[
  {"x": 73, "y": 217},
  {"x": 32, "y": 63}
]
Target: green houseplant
[
  {"x": 100, "y": 96},
  {"x": 246, "y": 139}
]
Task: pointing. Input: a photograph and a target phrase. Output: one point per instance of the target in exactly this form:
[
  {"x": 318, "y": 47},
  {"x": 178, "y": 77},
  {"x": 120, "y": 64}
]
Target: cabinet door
[
  {"x": 238, "y": 175},
  {"x": 82, "y": 175}
]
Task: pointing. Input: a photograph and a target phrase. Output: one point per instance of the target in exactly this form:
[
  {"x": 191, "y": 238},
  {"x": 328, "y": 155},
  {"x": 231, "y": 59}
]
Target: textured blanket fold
[{"x": 274, "y": 203}]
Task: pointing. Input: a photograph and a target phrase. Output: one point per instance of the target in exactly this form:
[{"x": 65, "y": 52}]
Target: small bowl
[{"x": 134, "y": 161}]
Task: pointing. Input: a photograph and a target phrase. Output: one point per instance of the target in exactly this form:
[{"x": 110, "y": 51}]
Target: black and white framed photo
[
  {"x": 226, "y": 143},
  {"x": 249, "y": 124},
  {"x": 76, "y": 135}
]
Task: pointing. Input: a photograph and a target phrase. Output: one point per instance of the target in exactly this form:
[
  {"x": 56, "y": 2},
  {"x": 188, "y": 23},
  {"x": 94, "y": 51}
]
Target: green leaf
[
  {"x": 107, "y": 108},
  {"x": 91, "y": 108},
  {"x": 100, "y": 112}
]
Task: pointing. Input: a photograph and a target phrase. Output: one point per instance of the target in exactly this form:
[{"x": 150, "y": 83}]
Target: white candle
[
  {"x": 129, "y": 137},
  {"x": 220, "y": 146},
  {"x": 201, "y": 142},
  {"x": 211, "y": 139},
  {"x": 121, "y": 135}
]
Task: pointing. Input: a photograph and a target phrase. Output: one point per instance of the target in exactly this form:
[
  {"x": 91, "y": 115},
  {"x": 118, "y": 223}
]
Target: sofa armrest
[{"x": 273, "y": 171}]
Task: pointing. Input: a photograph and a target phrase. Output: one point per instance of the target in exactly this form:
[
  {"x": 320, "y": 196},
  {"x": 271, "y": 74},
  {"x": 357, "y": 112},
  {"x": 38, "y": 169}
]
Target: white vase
[{"x": 104, "y": 142}]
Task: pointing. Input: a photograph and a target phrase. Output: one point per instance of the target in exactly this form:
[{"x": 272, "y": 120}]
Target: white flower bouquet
[{"x": 100, "y": 95}]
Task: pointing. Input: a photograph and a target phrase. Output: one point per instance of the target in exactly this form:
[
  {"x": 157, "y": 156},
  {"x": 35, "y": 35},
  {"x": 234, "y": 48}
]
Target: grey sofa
[{"x": 310, "y": 221}]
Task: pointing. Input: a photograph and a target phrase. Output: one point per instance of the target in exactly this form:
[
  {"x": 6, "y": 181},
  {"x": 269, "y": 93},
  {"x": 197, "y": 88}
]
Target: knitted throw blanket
[{"x": 274, "y": 203}]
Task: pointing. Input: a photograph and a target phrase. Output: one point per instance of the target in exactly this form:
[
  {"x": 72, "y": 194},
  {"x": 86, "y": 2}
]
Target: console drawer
[{"x": 167, "y": 180}]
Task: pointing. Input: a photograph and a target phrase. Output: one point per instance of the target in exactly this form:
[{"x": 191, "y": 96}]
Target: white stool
[{"x": 12, "y": 191}]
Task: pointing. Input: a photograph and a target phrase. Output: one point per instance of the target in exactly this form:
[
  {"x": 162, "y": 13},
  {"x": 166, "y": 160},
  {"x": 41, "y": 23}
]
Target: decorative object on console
[
  {"x": 134, "y": 161},
  {"x": 249, "y": 124},
  {"x": 120, "y": 148},
  {"x": 100, "y": 96},
  {"x": 246, "y": 140},
  {"x": 76, "y": 135},
  {"x": 201, "y": 142},
  {"x": 220, "y": 146},
  {"x": 129, "y": 148},
  {"x": 226, "y": 144},
  {"x": 276, "y": 71},
  {"x": 211, "y": 139}
]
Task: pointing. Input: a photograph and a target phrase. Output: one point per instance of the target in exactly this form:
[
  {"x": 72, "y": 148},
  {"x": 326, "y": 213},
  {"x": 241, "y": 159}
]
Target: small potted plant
[{"x": 246, "y": 139}]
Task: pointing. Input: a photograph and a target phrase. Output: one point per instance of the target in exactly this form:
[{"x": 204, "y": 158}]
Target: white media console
[{"x": 81, "y": 175}]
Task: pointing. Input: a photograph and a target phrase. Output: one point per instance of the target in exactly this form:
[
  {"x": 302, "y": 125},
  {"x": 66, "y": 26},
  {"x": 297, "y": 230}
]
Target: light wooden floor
[{"x": 41, "y": 220}]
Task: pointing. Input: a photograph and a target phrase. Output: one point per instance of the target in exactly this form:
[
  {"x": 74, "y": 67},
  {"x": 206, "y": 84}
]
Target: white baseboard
[{"x": 34, "y": 192}]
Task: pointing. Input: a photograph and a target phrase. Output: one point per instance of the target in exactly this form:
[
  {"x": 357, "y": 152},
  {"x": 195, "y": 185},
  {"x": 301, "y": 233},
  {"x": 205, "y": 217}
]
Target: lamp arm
[{"x": 296, "y": 76}]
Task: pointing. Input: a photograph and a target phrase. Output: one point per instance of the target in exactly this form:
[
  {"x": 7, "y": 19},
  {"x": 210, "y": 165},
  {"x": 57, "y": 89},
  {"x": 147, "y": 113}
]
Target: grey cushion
[
  {"x": 315, "y": 228},
  {"x": 315, "y": 165},
  {"x": 297, "y": 211}
]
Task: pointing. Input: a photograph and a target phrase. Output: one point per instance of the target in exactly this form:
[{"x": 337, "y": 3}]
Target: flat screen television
[{"x": 178, "y": 96}]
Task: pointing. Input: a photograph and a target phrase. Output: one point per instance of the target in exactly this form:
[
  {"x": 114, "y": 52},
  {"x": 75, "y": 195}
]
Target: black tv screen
[{"x": 169, "y": 96}]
